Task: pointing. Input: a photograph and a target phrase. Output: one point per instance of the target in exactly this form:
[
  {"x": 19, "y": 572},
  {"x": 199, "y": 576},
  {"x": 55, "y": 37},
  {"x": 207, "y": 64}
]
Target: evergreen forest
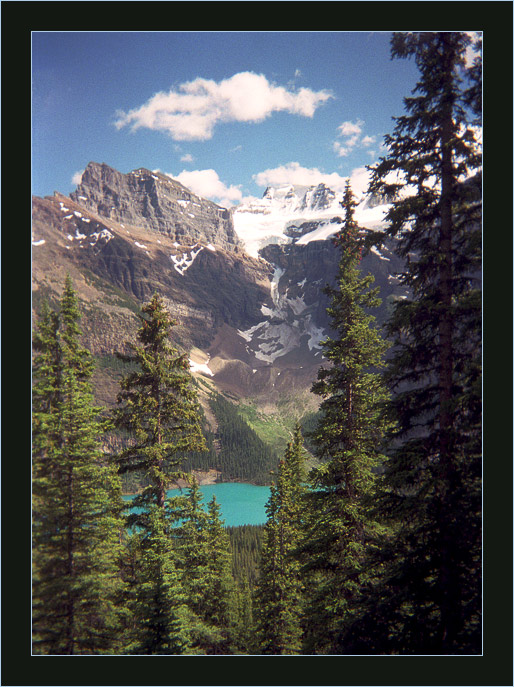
[{"x": 377, "y": 549}]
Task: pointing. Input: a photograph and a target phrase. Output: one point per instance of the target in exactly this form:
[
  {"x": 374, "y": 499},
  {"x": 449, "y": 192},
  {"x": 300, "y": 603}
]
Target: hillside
[{"x": 244, "y": 285}]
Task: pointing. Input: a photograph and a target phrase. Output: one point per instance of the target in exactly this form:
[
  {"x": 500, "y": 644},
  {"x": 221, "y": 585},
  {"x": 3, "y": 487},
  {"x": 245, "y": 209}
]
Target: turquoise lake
[{"x": 240, "y": 503}]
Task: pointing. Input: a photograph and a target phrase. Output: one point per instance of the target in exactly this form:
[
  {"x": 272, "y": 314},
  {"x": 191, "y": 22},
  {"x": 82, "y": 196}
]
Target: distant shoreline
[{"x": 203, "y": 477}]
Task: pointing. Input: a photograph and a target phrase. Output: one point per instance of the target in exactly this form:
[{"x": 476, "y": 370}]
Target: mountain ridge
[{"x": 245, "y": 284}]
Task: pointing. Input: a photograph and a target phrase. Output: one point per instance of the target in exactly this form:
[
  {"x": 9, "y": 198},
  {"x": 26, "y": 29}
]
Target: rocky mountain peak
[
  {"x": 157, "y": 202},
  {"x": 318, "y": 197},
  {"x": 246, "y": 285}
]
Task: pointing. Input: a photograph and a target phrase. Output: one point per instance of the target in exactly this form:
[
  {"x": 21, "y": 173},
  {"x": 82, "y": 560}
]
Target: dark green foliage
[
  {"x": 201, "y": 460},
  {"x": 203, "y": 549},
  {"x": 76, "y": 497},
  {"x": 340, "y": 529},
  {"x": 246, "y": 543},
  {"x": 279, "y": 595},
  {"x": 157, "y": 408},
  {"x": 243, "y": 455},
  {"x": 309, "y": 423},
  {"x": 159, "y": 622},
  {"x": 429, "y": 597},
  {"x": 243, "y": 632}
]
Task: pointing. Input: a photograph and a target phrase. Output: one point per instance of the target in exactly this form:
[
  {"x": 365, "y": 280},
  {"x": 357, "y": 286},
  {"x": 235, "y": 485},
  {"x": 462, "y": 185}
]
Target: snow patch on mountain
[
  {"x": 274, "y": 284},
  {"x": 202, "y": 368},
  {"x": 324, "y": 231},
  {"x": 379, "y": 254},
  {"x": 184, "y": 262},
  {"x": 288, "y": 325}
]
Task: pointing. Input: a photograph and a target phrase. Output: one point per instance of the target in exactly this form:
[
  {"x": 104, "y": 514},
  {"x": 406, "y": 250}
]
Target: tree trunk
[
  {"x": 70, "y": 545},
  {"x": 447, "y": 574}
]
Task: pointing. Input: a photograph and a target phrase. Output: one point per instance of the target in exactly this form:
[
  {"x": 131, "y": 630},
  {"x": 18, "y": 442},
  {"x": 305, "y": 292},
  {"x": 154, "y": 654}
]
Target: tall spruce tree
[
  {"x": 203, "y": 552},
  {"x": 76, "y": 497},
  {"x": 220, "y": 585},
  {"x": 279, "y": 595},
  {"x": 243, "y": 633},
  {"x": 348, "y": 439},
  {"x": 158, "y": 411},
  {"x": 429, "y": 600}
]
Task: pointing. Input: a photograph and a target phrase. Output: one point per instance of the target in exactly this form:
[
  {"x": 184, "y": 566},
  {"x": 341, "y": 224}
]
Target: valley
[{"x": 245, "y": 285}]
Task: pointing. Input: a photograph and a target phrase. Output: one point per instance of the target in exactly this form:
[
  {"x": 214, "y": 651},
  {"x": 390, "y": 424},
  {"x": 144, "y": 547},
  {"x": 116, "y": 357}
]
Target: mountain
[
  {"x": 156, "y": 202},
  {"x": 245, "y": 284}
]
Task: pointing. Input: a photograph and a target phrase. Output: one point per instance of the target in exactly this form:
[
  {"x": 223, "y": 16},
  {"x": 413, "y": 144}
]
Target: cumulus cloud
[
  {"x": 368, "y": 140},
  {"x": 187, "y": 158},
  {"x": 359, "y": 180},
  {"x": 191, "y": 111},
  {"x": 294, "y": 173},
  {"x": 207, "y": 184},
  {"x": 350, "y": 129},
  {"x": 77, "y": 177},
  {"x": 351, "y": 135}
]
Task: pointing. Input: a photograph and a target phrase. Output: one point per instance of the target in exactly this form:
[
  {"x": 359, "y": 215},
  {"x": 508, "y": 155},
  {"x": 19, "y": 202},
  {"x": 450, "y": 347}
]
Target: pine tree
[
  {"x": 76, "y": 497},
  {"x": 160, "y": 621},
  {"x": 430, "y": 595},
  {"x": 243, "y": 633},
  {"x": 158, "y": 411},
  {"x": 279, "y": 596},
  {"x": 220, "y": 587},
  {"x": 157, "y": 407},
  {"x": 347, "y": 440},
  {"x": 203, "y": 552}
]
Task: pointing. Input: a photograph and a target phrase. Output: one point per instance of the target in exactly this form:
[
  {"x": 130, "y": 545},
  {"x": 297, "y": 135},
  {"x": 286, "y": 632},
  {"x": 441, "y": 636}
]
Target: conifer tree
[
  {"x": 279, "y": 597},
  {"x": 160, "y": 622},
  {"x": 203, "y": 552},
  {"x": 157, "y": 407},
  {"x": 243, "y": 633},
  {"x": 430, "y": 595},
  {"x": 220, "y": 587},
  {"x": 158, "y": 411},
  {"x": 76, "y": 497},
  {"x": 348, "y": 440}
]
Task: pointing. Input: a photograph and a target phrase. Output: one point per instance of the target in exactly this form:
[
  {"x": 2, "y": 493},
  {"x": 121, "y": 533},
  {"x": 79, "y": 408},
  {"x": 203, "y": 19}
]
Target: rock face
[
  {"x": 205, "y": 286},
  {"x": 245, "y": 286},
  {"x": 156, "y": 202}
]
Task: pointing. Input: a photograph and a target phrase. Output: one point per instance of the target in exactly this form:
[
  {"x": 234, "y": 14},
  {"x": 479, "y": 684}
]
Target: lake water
[{"x": 240, "y": 503}]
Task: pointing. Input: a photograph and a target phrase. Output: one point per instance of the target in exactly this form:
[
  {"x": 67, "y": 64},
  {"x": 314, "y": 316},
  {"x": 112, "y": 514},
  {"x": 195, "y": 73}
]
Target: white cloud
[
  {"x": 351, "y": 134},
  {"x": 207, "y": 184},
  {"x": 353, "y": 129},
  {"x": 77, "y": 177},
  {"x": 187, "y": 158},
  {"x": 368, "y": 140},
  {"x": 359, "y": 180},
  {"x": 193, "y": 110},
  {"x": 294, "y": 173},
  {"x": 341, "y": 149}
]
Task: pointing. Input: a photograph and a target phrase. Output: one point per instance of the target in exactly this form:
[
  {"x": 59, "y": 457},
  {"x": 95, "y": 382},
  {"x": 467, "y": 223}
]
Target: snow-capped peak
[{"x": 261, "y": 221}]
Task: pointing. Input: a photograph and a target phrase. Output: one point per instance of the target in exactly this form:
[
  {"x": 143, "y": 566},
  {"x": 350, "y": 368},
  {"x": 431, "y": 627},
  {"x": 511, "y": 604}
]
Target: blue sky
[{"x": 225, "y": 113}]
